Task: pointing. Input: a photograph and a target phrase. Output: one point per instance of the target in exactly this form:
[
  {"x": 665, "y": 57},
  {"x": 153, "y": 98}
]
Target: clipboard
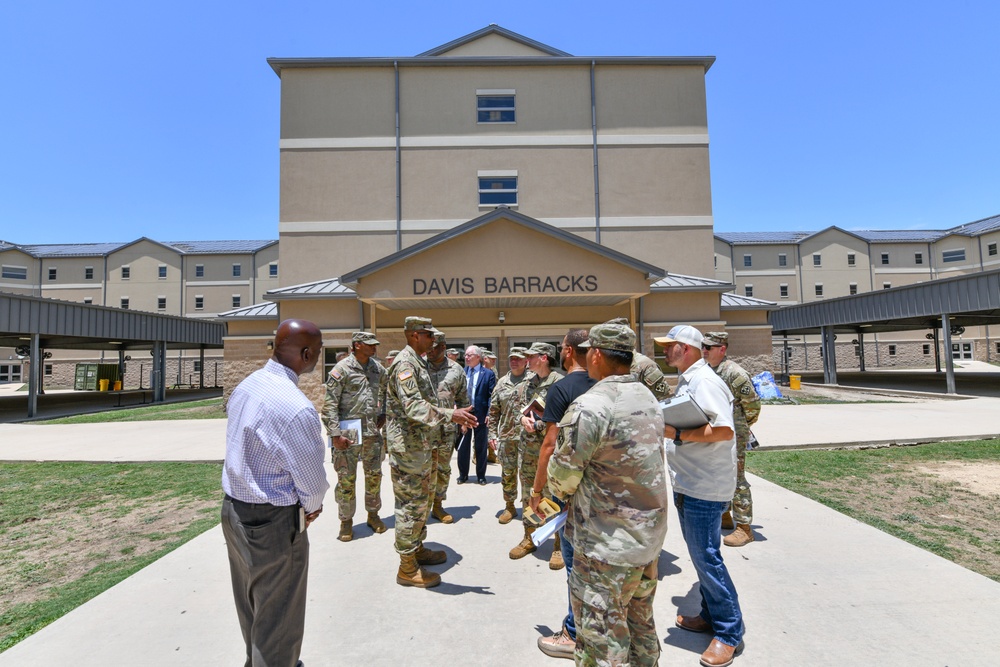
[
  {"x": 350, "y": 429},
  {"x": 683, "y": 412}
]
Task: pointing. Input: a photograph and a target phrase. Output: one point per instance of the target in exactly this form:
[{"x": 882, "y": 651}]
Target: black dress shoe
[
  {"x": 482, "y": 482},
  {"x": 462, "y": 481}
]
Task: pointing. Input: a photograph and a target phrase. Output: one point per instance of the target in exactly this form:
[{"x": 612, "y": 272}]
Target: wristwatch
[
  {"x": 677, "y": 437},
  {"x": 536, "y": 494}
]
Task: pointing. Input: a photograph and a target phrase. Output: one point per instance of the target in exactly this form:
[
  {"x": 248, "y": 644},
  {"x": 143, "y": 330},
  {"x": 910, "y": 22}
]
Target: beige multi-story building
[
  {"x": 503, "y": 187},
  {"x": 191, "y": 278},
  {"x": 803, "y": 267}
]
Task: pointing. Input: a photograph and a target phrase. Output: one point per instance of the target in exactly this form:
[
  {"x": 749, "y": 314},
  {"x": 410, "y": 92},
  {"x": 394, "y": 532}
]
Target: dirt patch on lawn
[
  {"x": 981, "y": 477},
  {"x": 62, "y": 544}
]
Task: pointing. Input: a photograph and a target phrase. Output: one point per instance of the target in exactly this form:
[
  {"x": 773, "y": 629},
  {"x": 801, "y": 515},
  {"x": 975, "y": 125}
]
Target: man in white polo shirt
[{"x": 703, "y": 475}]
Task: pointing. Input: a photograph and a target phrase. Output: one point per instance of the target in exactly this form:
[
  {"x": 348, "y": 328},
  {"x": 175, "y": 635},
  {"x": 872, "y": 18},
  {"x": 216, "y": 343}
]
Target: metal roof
[
  {"x": 70, "y": 325},
  {"x": 733, "y": 301},
  {"x": 492, "y": 29},
  {"x": 978, "y": 227},
  {"x": 70, "y": 249},
  {"x": 899, "y": 235},
  {"x": 327, "y": 288},
  {"x": 102, "y": 249},
  {"x": 970, "y": 300},
  {"x": 258, "y": 311},
  {"x": 747, "y": 238},
  {"x": 675, "y": 282},
  {"x": 220, "y": 247}
]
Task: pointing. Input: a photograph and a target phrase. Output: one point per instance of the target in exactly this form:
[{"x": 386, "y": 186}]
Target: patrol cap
[
  {"x": 517, "y": 352},
  {"x": 392, "y": 353},
  {"x": 418, "y": 324},
  {"x": 682, "y": 333},
  {"x": 715, "y": 338},
  {"x": 489, "y": 355},
  {"x": 439, "y": 338},
  {"x": 365, "y": 337},
  {"x": 542, "y": 348},
  {"x": 454, "y": 350},
  {"x": 611, "y": 335}
]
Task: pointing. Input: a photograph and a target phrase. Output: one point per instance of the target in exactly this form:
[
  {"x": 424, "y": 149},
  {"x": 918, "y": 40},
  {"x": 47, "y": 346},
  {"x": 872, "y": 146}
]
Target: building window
[
  {"x": 892, "y": 350},
  {"x": 126, "y": 272},
  {"x": 918, "y": 258},
  {"x": 123, "y": 304},
  {"x": 819, "y": 289},
  {"x": 14, "y": 272},
  {"x": 782, "y": 259},
  {"x": 88, "y": 299},
  {"x": 991, "y": 250},
  {"x": 748, "y": 290},
  {"x": 747, "y": 260},
  {"x": 236, "y": 301},
  {"x": 199, "y": 302},
  {"x": 88, "y": 273},
  {"x": 197, "y": 365},
  {"x": 199, "y": 270},
  {"x": 161, "y": 303},
  {"x": 927, "y": 348},
  {"x": 817, "y": 259},
  {"x": 48, "y": 370},
  {"x": 498, "y": 190},
  {"x": 953, "y": 255},
  {"x": 161, "y": 271},
  {"x": 237, "y": 270},
  {"x": 885, "y": 259},
  {"x": 998, "y": 348},
  {"x": 853, "y": 289},
  {"x": 272, "y": 270},
  {"x": 850, "y": 259},
  {"x": 783, "y": 290},
  {"x": 495, "y": 107},
  {"x": 886, "y": 285},
  {"x": 52, "y": 273}
]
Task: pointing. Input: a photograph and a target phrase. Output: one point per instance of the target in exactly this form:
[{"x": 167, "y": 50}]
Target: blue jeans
[
  {"x": 701, "y": 525},
  {"x": 566, "y": 547}
]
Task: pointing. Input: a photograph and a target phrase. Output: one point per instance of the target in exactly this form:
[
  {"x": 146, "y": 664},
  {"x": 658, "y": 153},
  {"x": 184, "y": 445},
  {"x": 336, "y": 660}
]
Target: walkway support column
[
  {"x": 937, "y": 350},
  {"x": 201, "y": 367},
  {"x": 861, "y": 351},
  {"x": 829, "y": 356},
  {"x": 949, "y": 361},
  {"x": 159, "y": 375},
  {"x": 33, "y": 360}
]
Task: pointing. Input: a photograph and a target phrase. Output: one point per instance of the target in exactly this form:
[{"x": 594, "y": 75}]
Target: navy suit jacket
[{"x": 480, "y": 397}]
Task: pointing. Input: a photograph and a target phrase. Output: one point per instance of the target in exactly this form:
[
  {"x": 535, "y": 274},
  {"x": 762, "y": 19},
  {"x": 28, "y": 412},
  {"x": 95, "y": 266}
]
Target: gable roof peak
[{"x": 494, "y": 29}]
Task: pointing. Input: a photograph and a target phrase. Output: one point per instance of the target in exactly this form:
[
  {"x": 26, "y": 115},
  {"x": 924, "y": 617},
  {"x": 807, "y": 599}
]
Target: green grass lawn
[{"x": 212, "y": 408}]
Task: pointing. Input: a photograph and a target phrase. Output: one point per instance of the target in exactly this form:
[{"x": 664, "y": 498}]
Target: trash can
[
  {"x": 102, "y": 384},
  {"x": 118, "y": 385},
  {"x": 795, "y": 382}
]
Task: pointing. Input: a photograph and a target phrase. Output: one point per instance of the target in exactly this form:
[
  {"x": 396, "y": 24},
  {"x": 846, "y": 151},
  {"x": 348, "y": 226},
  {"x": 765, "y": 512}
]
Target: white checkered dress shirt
[{"x": 274, "y": 442}]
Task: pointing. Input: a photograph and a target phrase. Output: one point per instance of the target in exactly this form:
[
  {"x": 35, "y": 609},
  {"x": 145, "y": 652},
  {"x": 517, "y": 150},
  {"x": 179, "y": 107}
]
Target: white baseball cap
[{"x": 682, "y": 333}]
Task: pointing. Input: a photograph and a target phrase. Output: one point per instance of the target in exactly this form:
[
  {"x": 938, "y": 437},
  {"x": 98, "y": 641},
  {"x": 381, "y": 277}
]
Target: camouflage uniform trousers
[
  {"x": 528, "y": 450},
  {"x": 442, "y": 447},
  {"x": 345, "y": 461},
  {"x": 411, "y": 471},
  {"x": 742, "y": 504},
  {"x": 508, "y": 468},
  {"x": 613, "y": 608}
]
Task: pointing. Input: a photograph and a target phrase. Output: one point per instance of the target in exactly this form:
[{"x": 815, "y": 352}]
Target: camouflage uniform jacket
[
  {"x": 525, "y": 392},
  {"x": 449, "y": 379},
  {"x": 351, "y": 391},
  {"x": 746, "y": 407},
  {"x": 648, "y": 372},
  {"x": 505, "y": 411},
  {"x": 610, "y": 467},
  {"x": 411, "y": 404}
]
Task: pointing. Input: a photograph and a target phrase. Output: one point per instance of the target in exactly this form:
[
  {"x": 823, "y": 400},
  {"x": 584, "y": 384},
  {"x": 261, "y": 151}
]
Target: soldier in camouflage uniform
[
  {"x": 413, "y": 411},
  {"x": 609, "y": 466},
  {"x": 449, "y": 379},
  {"x": 543, "y": 363},
  {"x": 646, "y": 370},
  {"x": 490, "y": 362},
  {"x": 351, "y": 390},
  {"x": 505, "y": 427},
  {"x": 746, "y": 410}
]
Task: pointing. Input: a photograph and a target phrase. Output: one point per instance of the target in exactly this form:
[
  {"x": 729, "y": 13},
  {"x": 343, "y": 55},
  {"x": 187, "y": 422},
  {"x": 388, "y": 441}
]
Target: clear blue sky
[{"x": 123, "y": 119}]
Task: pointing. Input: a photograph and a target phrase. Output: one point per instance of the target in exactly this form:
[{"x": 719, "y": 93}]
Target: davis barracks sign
[{"x": 488, "y": 285}]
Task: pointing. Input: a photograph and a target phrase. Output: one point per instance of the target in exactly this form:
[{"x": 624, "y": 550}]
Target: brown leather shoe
[
  {"x": 693, "y": 624},
  {"x": 719, "y": 655},
  {"x": 440, "y": 514},
  {"x": 727, "y": 520},
  {"x": 375, "y": 523},
  {"x": 410, "y": 574},
  {"x": 427, "y": 556},
  {"x": 740, "y": 537},
  {"x": 508, "y": 514},
  {"x": 346, "y": 531}
]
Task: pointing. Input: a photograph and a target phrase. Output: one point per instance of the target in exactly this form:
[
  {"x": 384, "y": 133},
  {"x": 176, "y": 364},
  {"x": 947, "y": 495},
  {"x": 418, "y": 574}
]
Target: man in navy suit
[{"x": 480, "y": 381}]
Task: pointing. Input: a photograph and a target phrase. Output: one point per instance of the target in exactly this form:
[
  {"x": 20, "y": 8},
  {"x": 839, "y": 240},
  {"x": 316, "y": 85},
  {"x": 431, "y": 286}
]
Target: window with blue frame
[
  {"x": 498, "y": 190},
  {"x": 495, "y": 109}
]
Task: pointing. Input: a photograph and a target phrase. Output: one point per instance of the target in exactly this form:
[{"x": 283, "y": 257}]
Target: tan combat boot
[
  {"x": 508, "y": 514},
  {"x": 556, "y": 561},
  {"x": 375, "y": 523},
  {"x": 438, "y": 513},
  {"x": 525, "y": 546},
  {"x": 346, "y": 531},
  {"x": 740, "y": 537},
  {"x": 727, "y": 520},
  {"x": 410, "y": 574},
  {"x": 427, "y": 556},
  {"x": 491, "y": 456}
]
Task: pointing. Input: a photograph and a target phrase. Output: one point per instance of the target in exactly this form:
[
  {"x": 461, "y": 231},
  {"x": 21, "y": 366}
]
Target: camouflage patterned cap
[
  {"x": 364, "y": 337},
  {"x": 439, "y": 338},
  {"x": 418, "y": 324},
  {"x": 542, "y": 348},
  {"x": 517, "y": 352},
  {"x": 618, "y": 320},
  {"x": 488, "y": 355},
  {"x": 611, "y": 336},
  {"x": 392, "y": 353},
  {"x": 715, "y": 338},
  {"x": 454, "y": 350}
]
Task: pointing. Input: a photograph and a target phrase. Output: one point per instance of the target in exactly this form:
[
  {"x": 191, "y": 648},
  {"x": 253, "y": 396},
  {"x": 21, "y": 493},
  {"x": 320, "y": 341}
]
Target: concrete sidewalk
[{"x": 817, "y": 588}]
